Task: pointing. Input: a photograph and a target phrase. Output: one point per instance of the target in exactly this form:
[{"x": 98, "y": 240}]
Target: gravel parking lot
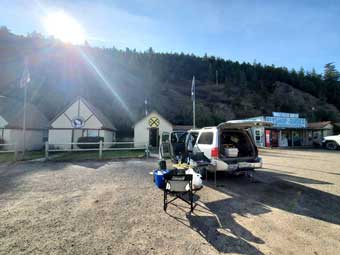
[{"x": 108, "y": 207}]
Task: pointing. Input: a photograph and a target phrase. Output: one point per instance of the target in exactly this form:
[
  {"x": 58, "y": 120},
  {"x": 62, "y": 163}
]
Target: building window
[
  {"x": 2, "y": 133},
  {"x": 257, "y": 135},
  {"x": 90, "y": 132},
  {"x": 206, "y": 138}
]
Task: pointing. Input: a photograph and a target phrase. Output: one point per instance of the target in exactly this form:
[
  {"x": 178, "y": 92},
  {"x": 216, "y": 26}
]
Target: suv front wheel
[{"x": 331, "y": 145}]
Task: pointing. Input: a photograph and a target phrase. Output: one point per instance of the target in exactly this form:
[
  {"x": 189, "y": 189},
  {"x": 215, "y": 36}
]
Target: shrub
[{"x": 87, "y": 139}]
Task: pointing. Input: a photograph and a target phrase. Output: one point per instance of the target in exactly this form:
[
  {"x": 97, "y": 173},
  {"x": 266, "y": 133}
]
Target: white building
[
  {"x": 79, "y": 119},
  {"x": 150, "y": 128},
  {"x": 11, "y": 122}
]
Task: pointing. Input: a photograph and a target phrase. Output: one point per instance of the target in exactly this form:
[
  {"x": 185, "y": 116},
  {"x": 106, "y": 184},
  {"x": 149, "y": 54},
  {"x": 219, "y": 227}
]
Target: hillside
[{"x": 119, "y": 81}]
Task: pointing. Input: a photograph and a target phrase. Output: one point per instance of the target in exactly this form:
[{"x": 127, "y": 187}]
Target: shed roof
[
  {"x": 319, "y": 125},
  {"x": 152, "y": 112},
  {"x": 11, "y": 110}
]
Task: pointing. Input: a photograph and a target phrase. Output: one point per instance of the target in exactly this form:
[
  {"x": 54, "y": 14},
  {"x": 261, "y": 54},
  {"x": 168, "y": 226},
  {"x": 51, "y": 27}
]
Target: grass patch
[
  {"x": 94, "y": 155},
  {"x": 29, "y": 155},
  {"x": 7, "y": 157}
]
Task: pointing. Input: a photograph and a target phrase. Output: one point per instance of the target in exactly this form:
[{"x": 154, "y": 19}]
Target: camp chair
[{"x": 178, "y": 186}]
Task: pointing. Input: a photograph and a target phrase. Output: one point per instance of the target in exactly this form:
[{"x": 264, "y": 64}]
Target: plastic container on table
[
  {"x": 158, "y": 176},
  {"x": 231, "y": 152}
]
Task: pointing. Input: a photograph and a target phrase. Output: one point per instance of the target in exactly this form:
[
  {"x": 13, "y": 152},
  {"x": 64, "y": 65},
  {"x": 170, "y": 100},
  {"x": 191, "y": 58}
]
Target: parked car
[
  {"x": 331, "y": 142},
  {"x": 229, "y": 146}
]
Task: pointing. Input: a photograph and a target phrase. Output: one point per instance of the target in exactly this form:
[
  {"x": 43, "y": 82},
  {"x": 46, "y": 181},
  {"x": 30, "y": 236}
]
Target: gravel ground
[{"x": 108, "y": 207}]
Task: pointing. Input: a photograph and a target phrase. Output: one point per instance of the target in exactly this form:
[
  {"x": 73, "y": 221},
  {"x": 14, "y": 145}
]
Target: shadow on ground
[
  {"x": 285, "y": 192},
  {"x": 214, "y": 221}
]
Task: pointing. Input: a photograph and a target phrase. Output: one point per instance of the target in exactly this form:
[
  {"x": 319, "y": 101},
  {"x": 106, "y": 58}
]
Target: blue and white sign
[
  {"x": 287, "y": 122},
  {"x": 285, "y": 115}
]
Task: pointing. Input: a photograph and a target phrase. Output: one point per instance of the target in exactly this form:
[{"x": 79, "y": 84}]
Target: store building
[
  {"x": 79, "y": 119},
  {"x": 288, "y": 130},
  {"x": 11, "y": 125}
]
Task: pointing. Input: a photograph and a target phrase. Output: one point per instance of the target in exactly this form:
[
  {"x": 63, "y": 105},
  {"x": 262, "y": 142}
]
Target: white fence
[{"x": 101, "y": 147}]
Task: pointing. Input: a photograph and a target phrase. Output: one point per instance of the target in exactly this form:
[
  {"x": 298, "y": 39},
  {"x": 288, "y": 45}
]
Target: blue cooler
[{"x": 158, "y": 176}]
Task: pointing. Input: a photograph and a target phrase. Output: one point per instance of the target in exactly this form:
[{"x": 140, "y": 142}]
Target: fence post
[
  {"x": 100, "y": 149},
  {"x": 46, "y": 150},
  {"x": 15, "y": 152},
  {"x": 146, "y": 151}
]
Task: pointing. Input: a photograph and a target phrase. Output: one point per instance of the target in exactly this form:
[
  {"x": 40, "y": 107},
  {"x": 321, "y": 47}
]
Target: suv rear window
[{"x": 206, "y": 138}]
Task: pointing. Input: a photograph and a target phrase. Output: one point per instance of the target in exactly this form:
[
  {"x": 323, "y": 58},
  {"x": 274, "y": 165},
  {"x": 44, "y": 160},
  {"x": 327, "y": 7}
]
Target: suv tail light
[{"x": 214, "y": 152}]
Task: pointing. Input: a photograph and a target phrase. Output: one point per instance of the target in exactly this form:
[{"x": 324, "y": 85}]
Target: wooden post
[
  {"x": 146, "y": 151},
  {"x": 15, "y": 152},
  {"x": 46, "y": 150},
  {"x": 100, "y": 149}
]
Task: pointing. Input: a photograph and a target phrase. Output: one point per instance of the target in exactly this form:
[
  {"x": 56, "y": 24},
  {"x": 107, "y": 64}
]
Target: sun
[{"x": 64, "y": 27}]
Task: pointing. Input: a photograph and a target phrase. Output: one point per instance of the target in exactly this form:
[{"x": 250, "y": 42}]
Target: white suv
[
  {"x": 228, "y": 146},
  {"x": 331, "y": 142}
]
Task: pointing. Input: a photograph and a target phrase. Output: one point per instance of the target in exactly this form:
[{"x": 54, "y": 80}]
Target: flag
[
  {"x": 146, "y": 107},
  {"x": 26, "y": 77},
  {"x": 193, "y": 89}
]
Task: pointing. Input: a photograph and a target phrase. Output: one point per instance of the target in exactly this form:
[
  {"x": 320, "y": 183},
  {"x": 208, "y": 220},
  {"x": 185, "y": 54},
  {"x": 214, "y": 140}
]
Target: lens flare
[
  {"x": 107, "y": 83},
  {"x": 62, "y": 26}
]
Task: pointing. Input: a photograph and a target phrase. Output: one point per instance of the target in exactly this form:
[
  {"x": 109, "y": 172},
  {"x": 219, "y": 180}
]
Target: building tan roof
[
  {"x": 107, "y": 124},
  {"x": 319, "y": 125},
  {"x": 11, "y": 110}
]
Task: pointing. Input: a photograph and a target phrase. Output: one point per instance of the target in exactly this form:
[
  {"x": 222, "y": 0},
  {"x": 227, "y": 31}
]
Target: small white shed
[
  {"x": 148, "y": 129},
  {"x": 79, "y": 119},
  {"x": 11, "y": 122}
]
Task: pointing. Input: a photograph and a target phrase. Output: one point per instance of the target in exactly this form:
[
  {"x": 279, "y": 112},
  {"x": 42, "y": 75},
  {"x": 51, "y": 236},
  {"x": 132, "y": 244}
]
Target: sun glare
[{"x": 64, "y": 27}]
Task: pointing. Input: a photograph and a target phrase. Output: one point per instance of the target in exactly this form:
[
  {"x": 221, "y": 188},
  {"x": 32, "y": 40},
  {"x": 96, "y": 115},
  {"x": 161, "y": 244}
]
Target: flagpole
[
  {"x": 193, "y": 94},
  {"x": 25, "y": 79},
  {"x": 24, "y": 123},
  {"x": 194, "y": 113}
]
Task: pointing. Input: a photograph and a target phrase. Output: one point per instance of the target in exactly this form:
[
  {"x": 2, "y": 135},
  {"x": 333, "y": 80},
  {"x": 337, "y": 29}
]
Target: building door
[
  {"x": 153, "y": 137},
  {"x": 258, "y": 137},
  {"x": 268, "y": 138},
  {"x": 275, "y": 138}
]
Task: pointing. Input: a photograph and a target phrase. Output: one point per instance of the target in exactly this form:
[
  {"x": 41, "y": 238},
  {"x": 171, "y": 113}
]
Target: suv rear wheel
[{"x": 331, "y": 145}]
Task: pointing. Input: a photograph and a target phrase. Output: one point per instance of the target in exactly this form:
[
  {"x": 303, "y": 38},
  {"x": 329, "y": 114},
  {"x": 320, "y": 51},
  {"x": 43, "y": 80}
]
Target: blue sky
[{"x": 284, "y": 33}]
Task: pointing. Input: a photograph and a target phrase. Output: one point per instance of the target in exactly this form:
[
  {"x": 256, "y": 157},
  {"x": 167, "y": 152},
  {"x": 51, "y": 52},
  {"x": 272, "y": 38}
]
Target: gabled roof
[
  {"x": 11, "y": 110},
  {"x": 107, "y": 124},
  {"x": 319, "y": 125},
  {"x": 152, "y": 112}
]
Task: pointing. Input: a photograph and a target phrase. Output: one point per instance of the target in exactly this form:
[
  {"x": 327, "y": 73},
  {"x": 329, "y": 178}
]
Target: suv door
[
  {"x": 172, "y": 144},
  {"x": 205, "y": 142},
  {"x": 164, "y": 145}
]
